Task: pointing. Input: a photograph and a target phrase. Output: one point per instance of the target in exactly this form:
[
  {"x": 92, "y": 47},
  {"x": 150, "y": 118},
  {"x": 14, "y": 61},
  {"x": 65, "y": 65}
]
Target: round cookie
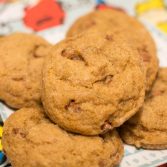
[
  {"x": 32, "y": 140},
  {"x": 148, "y": 128},
  {"x": 22, "y": 57},
  {"x": 119, "y": 22},
  {"x": 92, "y": 82}
]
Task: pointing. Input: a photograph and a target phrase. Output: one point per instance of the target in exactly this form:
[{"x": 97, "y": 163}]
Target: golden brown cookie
[
  {"x": 32, "y": 140},
  {"x": 22, "y": 57},
  {"x": 92, "y": 82},
  {"x": 120, "y": 22},
  {"x": 148, "y": 128}
]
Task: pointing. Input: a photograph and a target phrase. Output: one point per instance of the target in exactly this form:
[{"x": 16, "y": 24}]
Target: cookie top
[
  {"x": 92, "y": 82},
  {"x": 148, "y": 128},
  {"x": 22, "y": 57},
  {"x": 119, "y": 22},
  {"x": 31, "y": 140}
]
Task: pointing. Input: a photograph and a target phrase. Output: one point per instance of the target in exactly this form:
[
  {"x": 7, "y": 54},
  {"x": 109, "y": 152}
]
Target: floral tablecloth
[{"x": 52, "y": 18}]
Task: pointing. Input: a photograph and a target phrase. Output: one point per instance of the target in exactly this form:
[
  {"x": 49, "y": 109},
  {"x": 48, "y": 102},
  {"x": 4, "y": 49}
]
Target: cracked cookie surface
[
  {"x": 22, "y": 57},
  {"x": 92, "y": 84},
  {"x": 119, "y": 22},
  {"x": 148, "y": 128},
  {"x": 30, "y": 139}
]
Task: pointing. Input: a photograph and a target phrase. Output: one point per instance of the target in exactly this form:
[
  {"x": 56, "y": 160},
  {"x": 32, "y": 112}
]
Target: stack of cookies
[{"x": 72, "y": 96}]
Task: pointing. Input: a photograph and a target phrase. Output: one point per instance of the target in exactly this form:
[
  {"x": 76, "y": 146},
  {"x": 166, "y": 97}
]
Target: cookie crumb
[{"x": 106, "y": 127}]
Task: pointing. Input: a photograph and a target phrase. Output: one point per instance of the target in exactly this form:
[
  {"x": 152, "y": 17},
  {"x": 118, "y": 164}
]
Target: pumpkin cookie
[
  {"x": 92, "y": 82},
  {"x": 22, "y": 57},
  {"x": 30, "y": 139},
  {"x": 148, "y": 128},
  {"x": 120, "y": 22}
]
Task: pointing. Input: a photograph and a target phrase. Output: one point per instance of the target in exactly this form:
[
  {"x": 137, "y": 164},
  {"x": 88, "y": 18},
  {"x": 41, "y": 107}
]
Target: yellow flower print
[{"x": 153, "y": 11}]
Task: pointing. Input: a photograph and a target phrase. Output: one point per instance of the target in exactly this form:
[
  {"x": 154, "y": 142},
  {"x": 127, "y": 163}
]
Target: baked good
[
  {"x": 148, "y": 128},
  {"x": 120, "y": 22},
  {"x": 92, "y": 82},
  {"x": 30, "y": 139},
  {"x": 22, "y": 57}
]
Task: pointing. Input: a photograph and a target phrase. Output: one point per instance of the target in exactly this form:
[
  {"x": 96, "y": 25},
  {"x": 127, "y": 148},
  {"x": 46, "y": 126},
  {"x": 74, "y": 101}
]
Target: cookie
[
  {"x": 30, "y": 139},
  {"x": 92, "y": 82},
  {"x": 119, "y": 22},
  {"x": 22, "y": 57},
  {"x": 148, "y": 128}
]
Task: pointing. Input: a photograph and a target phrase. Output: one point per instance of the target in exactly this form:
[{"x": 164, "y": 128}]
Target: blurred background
[{"x": 54, "y": 17}]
